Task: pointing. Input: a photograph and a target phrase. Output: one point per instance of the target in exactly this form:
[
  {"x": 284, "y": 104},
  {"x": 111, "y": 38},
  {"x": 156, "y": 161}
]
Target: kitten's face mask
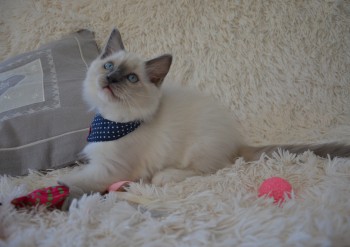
[{"x": 122, "y": 78}]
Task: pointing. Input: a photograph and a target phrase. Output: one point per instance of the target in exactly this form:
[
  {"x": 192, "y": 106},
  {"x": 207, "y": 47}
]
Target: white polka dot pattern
[{"x": 102, "y": 130}]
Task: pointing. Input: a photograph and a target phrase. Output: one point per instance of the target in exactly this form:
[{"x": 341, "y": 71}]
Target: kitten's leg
[
  {"x": 91, "y": 178},
  {"x": 172, "y": 175}
]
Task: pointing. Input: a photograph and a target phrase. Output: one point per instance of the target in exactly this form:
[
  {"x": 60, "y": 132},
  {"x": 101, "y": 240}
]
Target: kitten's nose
[{"x": 114, "y": 77}]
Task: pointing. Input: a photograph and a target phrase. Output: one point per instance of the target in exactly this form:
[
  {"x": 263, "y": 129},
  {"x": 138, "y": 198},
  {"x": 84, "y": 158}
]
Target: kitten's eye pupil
[
  {"x": 108, "y": 66},
  {"x": 132, "y": 78}
]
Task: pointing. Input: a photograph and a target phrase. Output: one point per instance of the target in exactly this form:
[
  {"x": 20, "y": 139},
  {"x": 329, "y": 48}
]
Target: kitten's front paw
[
  {"x": 73, "y": 182},
  {"x": 66, "y": 181}
]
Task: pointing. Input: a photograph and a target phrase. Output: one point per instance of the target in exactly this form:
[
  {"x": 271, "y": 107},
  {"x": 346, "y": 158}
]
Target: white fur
[
  {"x": 142, "y": 105},
  {"x": 183, "y": 134}
]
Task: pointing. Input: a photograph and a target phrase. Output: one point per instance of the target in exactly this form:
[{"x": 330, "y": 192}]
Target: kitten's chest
[
  {"x": 138, "y": 154},
  {"x": 114, "y": 152}
]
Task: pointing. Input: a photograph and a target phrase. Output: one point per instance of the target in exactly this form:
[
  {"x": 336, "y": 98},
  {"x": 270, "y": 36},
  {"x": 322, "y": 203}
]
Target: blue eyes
[
  {"x": 108, "y": 66},
  {"x": 132, "y": 78}
]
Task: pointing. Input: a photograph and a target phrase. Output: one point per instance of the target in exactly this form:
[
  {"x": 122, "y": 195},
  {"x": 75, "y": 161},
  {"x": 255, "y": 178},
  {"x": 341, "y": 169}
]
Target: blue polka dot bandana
[{"x": 104, "y": 130}]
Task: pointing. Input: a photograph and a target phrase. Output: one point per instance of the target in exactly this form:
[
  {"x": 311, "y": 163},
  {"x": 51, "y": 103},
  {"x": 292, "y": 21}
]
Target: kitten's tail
[{"x": 250, "y": 153}]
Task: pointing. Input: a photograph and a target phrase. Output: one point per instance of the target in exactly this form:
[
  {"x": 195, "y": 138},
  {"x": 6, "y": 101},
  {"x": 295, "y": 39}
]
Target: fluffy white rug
[{"x": 282, "y": 69}]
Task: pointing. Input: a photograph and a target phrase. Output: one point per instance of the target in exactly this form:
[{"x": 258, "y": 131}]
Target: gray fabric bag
[{"x": 43, "y": 119}]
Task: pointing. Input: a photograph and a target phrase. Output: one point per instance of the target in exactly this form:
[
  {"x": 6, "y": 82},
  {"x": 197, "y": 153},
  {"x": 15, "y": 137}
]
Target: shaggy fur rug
[{"x": 280, "y": 67}]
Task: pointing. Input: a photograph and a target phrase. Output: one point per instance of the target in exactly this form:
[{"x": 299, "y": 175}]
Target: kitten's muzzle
[{"x": 114, "y": 77}]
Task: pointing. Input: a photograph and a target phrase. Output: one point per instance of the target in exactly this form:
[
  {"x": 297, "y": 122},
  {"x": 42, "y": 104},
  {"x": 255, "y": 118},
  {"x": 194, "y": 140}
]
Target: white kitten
[
  {"x": 181, "y": 134},
  {"x": 178, "y": 133}
]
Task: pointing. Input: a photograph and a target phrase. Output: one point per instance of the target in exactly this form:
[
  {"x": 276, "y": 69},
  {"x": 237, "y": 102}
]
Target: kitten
[{"x": 166, "y": 134}]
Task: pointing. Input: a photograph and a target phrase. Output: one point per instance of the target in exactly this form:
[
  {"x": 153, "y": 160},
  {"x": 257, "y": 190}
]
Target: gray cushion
[{"x": 43, "y": 120}]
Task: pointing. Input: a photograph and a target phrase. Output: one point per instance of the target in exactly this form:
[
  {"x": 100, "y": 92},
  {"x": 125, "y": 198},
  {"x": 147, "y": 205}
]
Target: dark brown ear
[
  {"x": 114, "y": 44},
  {"x": 158, "y": 68}
]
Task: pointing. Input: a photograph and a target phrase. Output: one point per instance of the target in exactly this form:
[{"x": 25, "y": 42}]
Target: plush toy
[
  {"x": 52, "y": 197},
  {"x": 58, "y": 197},
  {"x": 277, "y": 188}
]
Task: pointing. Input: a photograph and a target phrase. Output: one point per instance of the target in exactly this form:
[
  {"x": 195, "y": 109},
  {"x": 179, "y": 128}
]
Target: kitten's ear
[
  {"x": 158, "y": 68},
  {"x": 114, "y": 44}
]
